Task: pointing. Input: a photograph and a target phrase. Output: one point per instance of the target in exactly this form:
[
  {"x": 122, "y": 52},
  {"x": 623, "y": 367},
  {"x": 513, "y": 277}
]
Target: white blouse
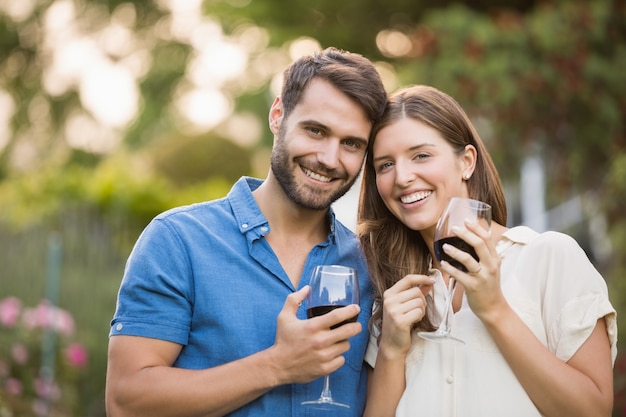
[{"x": 550, "y": 283}]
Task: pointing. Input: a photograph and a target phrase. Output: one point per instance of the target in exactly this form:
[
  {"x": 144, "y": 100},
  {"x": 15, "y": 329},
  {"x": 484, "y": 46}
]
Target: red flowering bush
[{"x": 40, "y": 364}]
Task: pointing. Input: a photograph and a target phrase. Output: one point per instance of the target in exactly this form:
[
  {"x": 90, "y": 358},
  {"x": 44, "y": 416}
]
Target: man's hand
[{"x": 305, "y": 350}]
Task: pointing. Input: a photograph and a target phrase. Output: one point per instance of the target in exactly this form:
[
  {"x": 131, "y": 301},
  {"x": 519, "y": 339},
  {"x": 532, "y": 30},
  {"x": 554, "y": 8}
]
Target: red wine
[
  {"x": 321, "y": 310},
  {"x": 458, "y": 243}
]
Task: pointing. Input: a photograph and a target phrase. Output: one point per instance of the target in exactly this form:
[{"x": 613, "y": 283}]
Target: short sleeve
[
  {"x": 577, "y": 321},
  {"x": 155, "y": 296},
  {"x": 575, "y": 295}
]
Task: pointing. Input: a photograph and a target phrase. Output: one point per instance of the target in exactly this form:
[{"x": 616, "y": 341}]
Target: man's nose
[{"x": 328, "y": 155}]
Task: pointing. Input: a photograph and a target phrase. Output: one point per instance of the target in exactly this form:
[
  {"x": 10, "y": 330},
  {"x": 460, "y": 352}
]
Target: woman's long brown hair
[{"x": 392, "y": 249}]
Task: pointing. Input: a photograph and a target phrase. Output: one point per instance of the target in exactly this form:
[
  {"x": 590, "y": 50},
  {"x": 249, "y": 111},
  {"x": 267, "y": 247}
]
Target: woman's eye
[
  {"x": 383, "y": 166},
  {"x": 421, "y": 155}
]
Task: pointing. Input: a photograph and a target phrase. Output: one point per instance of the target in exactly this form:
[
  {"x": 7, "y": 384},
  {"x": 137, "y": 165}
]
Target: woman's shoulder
[
  {"x": 548, "y": 246},
  {"x": 527, "y": 236},
  {"x": 556, "y": 242},
  {"x": 539, "y": 250}
]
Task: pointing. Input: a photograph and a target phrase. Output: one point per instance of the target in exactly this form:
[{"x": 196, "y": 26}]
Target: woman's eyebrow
[{"x": 411, "y": 149}]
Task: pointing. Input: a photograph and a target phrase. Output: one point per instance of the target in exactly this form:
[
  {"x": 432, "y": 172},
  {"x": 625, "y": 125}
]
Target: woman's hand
[
  {"x": 482, "y": 281},
  {"x": 403, "y": 305}
]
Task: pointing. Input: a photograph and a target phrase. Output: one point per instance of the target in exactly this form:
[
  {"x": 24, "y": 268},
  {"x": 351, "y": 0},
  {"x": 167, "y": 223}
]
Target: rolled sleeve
[{"x": 578, "y": 319}]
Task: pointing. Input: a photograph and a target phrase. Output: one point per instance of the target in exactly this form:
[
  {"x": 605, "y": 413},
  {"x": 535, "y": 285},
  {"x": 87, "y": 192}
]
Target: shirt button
[
  {"x": 245, "y": 225},
  {"x": 119, "y": 327},
  {"x": 450, "y": 379},
  {"x": 264, "y": 229}
]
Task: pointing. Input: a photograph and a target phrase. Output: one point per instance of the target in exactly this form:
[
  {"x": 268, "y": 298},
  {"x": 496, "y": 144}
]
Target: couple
[{"x": 208, "y": 320}]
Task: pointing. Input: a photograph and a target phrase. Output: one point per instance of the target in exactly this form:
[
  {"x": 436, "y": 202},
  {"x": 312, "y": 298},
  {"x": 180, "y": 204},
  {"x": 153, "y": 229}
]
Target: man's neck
[
  {"x": 294, "y": 230},
  {"x": 285, "y": 217}
]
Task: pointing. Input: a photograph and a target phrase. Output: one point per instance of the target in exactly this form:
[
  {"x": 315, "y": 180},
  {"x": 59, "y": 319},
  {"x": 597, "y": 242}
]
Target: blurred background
[{"x": 113, "y": 111}]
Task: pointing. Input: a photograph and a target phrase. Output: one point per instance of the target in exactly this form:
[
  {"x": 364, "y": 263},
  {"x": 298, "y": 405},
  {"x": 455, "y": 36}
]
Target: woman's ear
[
  {"x": 468, "y": 159},
  {"x": 276, "y": 115}
]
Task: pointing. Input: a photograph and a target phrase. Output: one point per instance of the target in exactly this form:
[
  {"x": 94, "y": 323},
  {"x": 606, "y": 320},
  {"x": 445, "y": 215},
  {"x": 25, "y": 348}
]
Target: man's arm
[{"x": 141, "y": 380}]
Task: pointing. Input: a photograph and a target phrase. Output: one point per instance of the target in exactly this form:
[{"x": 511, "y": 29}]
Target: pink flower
[
  {"x": 41, "y": 407},
  {"x": 10, "y": 311},
  {"x": 47, "y": 388},
  {"x": 20, "y": 353},
  {"x": 48, "y": 317},
  {"x": 13, "y": 386},
  {"x": 76, "y": 355}
]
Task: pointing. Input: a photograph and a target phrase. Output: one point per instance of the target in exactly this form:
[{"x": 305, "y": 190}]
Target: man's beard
[{"x": 303, "y": 196}]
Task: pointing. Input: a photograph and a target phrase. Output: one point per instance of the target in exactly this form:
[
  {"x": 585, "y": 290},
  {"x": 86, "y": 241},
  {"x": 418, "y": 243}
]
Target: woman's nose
[{"x": 404, "y": 175}]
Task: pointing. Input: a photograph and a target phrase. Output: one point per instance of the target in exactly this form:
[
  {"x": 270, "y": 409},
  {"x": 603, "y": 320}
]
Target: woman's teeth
[{"x": 407, "y": 199}]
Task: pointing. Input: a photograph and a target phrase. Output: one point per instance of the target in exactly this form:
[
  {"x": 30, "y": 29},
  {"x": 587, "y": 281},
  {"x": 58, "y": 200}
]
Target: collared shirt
[
  {"x": 204, "y": 276},
  {"x": 553, "y": 287}
]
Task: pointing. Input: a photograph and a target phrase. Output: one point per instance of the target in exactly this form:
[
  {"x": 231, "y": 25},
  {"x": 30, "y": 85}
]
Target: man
[{"x": 208, "y": 319}]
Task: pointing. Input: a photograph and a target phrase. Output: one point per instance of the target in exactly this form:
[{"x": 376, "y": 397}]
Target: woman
[{"x": 539, "y": 329}]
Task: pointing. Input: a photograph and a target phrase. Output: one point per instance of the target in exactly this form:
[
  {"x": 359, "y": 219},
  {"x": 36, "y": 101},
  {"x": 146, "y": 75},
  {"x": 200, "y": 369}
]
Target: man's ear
[{"x": 276, "y": 115}]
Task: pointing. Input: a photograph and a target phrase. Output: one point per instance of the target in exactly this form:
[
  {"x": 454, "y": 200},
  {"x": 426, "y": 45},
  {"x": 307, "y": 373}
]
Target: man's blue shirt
[{"x": 204, "y": 276}]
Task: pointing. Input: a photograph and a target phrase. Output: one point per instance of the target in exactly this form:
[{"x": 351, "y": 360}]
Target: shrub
[{"x": 40, "y": 363}]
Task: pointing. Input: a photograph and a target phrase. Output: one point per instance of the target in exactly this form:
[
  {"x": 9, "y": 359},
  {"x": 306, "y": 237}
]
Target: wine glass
[
  {"x": 332, "y": 286},
  {"x": 456, "y": 213}
]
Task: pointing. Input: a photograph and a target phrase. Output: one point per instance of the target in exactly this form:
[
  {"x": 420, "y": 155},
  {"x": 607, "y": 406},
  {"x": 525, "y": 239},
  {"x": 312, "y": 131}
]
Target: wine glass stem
[
  {"x": 326, "y": 395},
  {"x": 444, "y": 327}
]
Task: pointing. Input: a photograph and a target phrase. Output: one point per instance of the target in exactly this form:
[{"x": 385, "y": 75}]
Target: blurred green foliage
[
  {"x": 344, "y": 24},
  {"x": 119, "y": 186},
  {"x": 549, "y": 83},
  {"x": 189, "y": 160}
]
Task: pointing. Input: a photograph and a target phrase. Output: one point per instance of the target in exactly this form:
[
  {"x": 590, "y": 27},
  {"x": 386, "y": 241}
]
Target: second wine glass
[
  {"x": 332, "y": 286},
  {"x": 456, "y": 213}
]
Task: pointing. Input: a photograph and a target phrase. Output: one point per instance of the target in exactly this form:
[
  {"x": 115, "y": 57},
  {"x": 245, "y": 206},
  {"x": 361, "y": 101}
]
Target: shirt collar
[
  {"x": 248, "y": 214},
  {"x": 245, "y": 209},
  {"x": 519, "y": 234}
]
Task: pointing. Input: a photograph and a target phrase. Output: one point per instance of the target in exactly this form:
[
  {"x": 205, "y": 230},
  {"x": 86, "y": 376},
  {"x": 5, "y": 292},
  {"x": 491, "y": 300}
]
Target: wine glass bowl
[
  {"x": 457, "y": 211},
  {"x": 332, "y": 286}
]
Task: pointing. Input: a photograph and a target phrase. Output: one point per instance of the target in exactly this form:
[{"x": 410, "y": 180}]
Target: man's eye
[
  {"x": 352, "y": 143},
  {"x": 315, "y": 131}
]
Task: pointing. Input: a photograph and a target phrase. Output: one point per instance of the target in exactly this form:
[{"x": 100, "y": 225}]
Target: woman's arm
[
  {"x": 582, "y": 386},
  {"x": 403, "y": 305},
  {"x": 385, "y": 385}
]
